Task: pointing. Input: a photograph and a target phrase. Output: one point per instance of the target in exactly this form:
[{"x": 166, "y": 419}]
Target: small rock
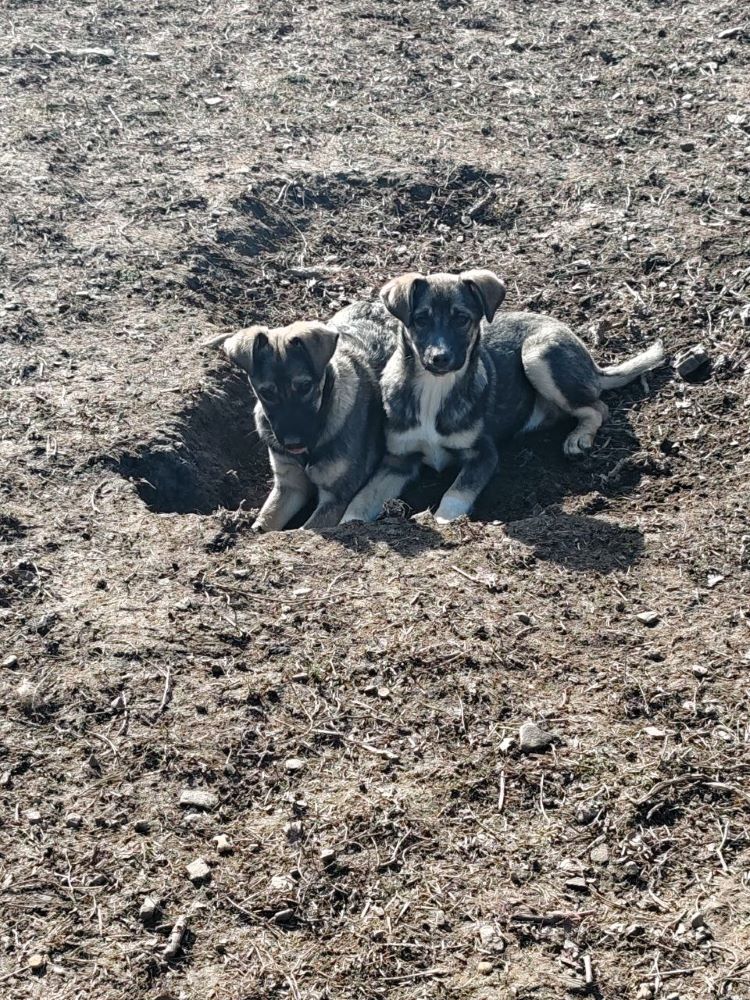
[
  {"x": 506, "y": 744},
  {"x": 645, "y": 991},
  {"x": 699, "y": 670},
  {"x": 5, "y": 779},
  {"x": 142, "y": 826},
  {"x": 648, "y": 618},
  {"x": 524, "y": 618},
  {"x": 37, "y": 962},
  {"x": 120, "y": 703},
  {"x": 33, "y": 816},
  {"x": 293, "y": 764},
  {"x": 198, "y": 798},
  {"x": 10, "y": 662},
  {"x": 223, "y": 844},
  {"x": 577, "y": 884},
  {"x": 281, "y": 886},
  {"x": 632, "y": 869},
  {"x": 149, "y": 909},
  {"x": 301, "y": 678},
  {"x": 600, "y": 854},
  {"x": 328, "y": 857},
  {"x": 533, "y": 739},
  {"x": 212, "y": 102},
  {"x": 698, "y": 919},
  {"x": 687, "y": 146},
  {"x": 487, "y": 934},
  {"x": 198, "y": 871},
  {"x": 193, "y": 819},
  {"x": 285, "y": 916},
  {"x": 74, "y": 821},
  {"x": 26, "y": 694},
  {"x": 484, "y": 968},
  {"x": 153, "y": 56},
  {"x": 384, "y": 692},
  {"x": 689, "y": 361}
]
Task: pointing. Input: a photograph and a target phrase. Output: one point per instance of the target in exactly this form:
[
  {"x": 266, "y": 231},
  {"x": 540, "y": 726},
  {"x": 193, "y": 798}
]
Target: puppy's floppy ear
[
  {"x": 242, "y": 347},
  {"x": 398, "y": 296},
  {"x": 487, "y": 288},
  {"x": 320, "y": 342}
]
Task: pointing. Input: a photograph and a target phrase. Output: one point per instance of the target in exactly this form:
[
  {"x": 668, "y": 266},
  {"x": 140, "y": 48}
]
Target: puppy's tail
[
  {"x": 216, "y": 341},
  {"x": 615, "y": 376}
]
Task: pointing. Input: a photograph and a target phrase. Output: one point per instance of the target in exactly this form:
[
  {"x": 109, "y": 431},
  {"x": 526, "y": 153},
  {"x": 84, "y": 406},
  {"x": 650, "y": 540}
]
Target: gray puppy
[
  {"x": 318, "y": 410},
  {"x": 455, "y": 388}
]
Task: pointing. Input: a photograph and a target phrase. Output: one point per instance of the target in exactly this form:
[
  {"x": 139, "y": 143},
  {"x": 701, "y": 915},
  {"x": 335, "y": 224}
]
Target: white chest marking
[{"x": 430, "y": 392}]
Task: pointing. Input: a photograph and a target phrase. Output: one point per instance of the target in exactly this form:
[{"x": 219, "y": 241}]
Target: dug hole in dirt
[{"x": 503, "y": 758}]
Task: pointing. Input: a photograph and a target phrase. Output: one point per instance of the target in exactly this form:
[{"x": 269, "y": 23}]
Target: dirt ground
[{"x": 353, "y": 701}]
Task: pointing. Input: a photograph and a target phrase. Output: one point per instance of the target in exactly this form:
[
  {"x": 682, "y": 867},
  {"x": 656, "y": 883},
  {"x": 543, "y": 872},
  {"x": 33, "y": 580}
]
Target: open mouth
[{"x": 298, "y": 450}]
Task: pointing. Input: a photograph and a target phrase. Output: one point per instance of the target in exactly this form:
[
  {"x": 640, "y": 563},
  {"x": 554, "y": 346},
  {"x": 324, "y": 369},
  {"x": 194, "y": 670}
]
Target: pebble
[
  {"x": 524, "y": 618},
  {"x": 688, "y": 362},
  {"x": 148, "y": 910},
  {"x": 506, "y": 744},
  {"x": 698, "y": 919},
  {"x": 285, "y": 916},
  {"x": 699, "y": 671},
  {"x": 281, "y": 885},
  {"x": 531, "y": 738},
  {"x": 600, "y": 854},
  {"x": 487, "y": 933},
  {"x": 384, "y": 692},
  {"x": 484, "y": 968},
  {"x": 25, "y": 693},
  {"x": 577, "y": 884},
  {"x": 10, "y": 662},
  {"x": 687, "y": 146},
  {"x": 198, "y": 871},
  {"x": 38, "y": 962},
  {"x": 223, "y": 844},
  {"x": 294, "y": 764},
  {"x": 645, "y": 991},
  {"x": 142, "y": 826},
  {"x": 648, "y": 618},
  {"x": 33, "y": 816},
  {"x": 328, "y": 856},
  {"x": 212, "y": 102},
  {"x": 198, "y": 798},
  {"x": 74, "y": 821},
  {"x": 586, "y": 814}
]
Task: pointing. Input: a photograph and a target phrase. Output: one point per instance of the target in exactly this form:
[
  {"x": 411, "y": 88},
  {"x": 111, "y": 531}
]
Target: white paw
[
  {"x": 422, "y": 516},
  {"x": 577, "y": 444},
  {"x": 357, "y": 514},
  {"x": 451, "y": 508}
]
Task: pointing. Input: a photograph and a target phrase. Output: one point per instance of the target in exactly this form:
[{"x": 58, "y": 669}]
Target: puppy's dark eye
[
  {"x": 461, "y": 320},
  {"x": 267, "y": 393},
  {"x": 303, "y": 387},
  {"x": 422, "y": 319}
]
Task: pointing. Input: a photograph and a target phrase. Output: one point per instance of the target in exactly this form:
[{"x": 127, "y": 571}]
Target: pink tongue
[{"x": 296, "y": 451}]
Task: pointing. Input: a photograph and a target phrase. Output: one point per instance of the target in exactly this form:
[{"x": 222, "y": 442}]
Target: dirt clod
[
  {"x": 199, "y": 798},
  {"x": 199, "y": 871},
  {"x": 533, "y": 739}
]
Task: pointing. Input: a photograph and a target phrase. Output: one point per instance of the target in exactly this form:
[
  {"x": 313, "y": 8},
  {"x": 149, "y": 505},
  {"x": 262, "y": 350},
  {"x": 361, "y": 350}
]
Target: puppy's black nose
[{"x": 437, "y": 360}]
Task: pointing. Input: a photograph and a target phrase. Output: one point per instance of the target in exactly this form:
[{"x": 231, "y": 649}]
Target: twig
[
  {"x": 587, "y": 970},
  {"x": 175, "y": 938},
  {"x": 501, "y": 793},
  {"x": 660, "y": 786},
  {"x": 551, "y": 918},
  {"x": 166, "y": 697}
]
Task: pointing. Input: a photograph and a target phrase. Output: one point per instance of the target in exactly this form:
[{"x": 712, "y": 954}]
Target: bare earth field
[{"x": 352, "y": 701}]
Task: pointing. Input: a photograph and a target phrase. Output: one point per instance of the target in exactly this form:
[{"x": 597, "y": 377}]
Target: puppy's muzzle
[{"x": 439, "y": 361}]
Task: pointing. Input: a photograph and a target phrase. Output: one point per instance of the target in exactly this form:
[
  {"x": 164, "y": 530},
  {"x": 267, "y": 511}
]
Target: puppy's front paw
[
  {"x": 423, "y": 516},
  {"x": 258, "y": 527},
  {"x": 577, "y": 444},
  {"x": 451, "y": 508}
]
